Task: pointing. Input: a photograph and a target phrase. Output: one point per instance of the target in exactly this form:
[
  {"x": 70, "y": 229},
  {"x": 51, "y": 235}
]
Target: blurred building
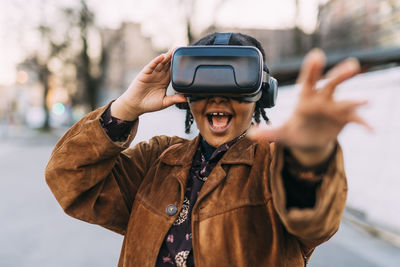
[
  {"x": 358, "y": 24},
  {"x": 126, "y": 52},
  {"x": 344, "y": 26}
]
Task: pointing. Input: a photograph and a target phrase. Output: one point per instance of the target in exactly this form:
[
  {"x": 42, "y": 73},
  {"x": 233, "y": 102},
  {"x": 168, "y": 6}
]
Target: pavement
[
  {"x": 356, "y": 244},
  {"x": 34, "y": 231}
]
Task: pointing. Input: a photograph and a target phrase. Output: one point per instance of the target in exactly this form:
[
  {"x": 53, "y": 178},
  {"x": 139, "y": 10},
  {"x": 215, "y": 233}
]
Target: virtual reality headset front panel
[{"x": 217, "y": 70}]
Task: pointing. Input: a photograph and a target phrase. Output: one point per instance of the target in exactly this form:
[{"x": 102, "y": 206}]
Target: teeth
[{"x": 218, "y": 114}]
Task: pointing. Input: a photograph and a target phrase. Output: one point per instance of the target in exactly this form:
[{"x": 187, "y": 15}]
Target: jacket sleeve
[
  {"x": 314, "y": 225},
  {"x": 95, "y": 179}
]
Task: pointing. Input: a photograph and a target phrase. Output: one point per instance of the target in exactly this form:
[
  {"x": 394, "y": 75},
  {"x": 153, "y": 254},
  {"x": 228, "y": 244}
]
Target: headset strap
[
  {"x": 266, "y": 77},
  {"x": 222, "y": 38}
]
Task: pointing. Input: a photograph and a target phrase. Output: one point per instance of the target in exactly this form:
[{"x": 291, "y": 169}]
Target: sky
[{"x": 160, "y": 19}]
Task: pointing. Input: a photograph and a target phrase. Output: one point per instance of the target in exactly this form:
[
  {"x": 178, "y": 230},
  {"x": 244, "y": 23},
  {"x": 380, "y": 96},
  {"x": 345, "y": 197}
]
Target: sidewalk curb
[{"x": 360, "y": 220}]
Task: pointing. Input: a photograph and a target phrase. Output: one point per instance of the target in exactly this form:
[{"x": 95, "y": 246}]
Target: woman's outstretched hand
[
  {"x": 311, "y": 131},
  {"x": 147, "y": 92}
]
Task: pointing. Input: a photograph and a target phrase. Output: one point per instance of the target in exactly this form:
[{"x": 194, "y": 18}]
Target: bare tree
[
  {"x": 89, "y": 70},
  {"x": 90, "y": 80},
  {"x": 38, "y": 62},
  {"x": 87, "y": 80}
]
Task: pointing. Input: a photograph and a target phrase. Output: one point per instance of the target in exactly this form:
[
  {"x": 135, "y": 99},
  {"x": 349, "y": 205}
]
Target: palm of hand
[
  {"x": 147, "y": 92},
  {"x": 153, "y": 87},
  {"x": 318, "y": 118}
]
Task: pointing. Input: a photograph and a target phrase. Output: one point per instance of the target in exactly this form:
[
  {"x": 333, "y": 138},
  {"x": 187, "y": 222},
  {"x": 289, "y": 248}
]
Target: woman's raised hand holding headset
[{"x": 147, "y": 92}]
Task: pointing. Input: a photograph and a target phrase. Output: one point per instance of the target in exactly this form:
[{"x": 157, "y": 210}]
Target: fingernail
[
  {"x": 317, "y": 53},
  {"x": 353, "y": 64}
]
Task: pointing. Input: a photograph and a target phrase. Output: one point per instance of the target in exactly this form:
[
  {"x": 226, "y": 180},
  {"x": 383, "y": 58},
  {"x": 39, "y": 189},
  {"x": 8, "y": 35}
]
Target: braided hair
[{"x": 236, "y": 39}]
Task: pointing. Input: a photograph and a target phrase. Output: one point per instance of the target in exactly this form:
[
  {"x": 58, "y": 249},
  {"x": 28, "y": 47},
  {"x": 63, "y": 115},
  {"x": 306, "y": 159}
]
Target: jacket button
[{"x": 171, "y": 209}]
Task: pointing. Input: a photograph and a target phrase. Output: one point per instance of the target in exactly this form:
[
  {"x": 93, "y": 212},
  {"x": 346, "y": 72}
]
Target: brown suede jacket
[{"x": 239, "y": 219}]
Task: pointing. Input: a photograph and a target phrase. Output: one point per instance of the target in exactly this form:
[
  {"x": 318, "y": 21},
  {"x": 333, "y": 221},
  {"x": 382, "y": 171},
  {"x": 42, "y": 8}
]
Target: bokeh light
[
  {"x": 22, "y": 77},
  {"x": 58, "y": 109}
]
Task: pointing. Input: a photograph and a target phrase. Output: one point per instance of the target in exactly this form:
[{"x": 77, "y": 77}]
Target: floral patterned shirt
[{"x": 176, "y": 249}]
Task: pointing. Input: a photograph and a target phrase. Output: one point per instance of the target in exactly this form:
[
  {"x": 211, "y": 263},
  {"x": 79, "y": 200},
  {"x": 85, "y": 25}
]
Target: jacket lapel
[
  {"x": 181, "y": 155},
  {"x": 241, "y": 152}
]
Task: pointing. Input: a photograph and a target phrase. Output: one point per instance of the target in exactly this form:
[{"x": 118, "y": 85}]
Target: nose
[{"x": 218, "y": 99}]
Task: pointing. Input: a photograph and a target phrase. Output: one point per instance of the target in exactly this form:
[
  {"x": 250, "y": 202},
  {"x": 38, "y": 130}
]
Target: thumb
[
  {"x": 264, "y": 134},
  {"x": 169, "y": 100}
]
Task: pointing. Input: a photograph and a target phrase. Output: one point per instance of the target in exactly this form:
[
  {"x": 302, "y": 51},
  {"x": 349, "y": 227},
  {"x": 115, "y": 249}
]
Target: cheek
[
  {"x": 197, "y": 110},
  {"x": 247, "y": 112}
]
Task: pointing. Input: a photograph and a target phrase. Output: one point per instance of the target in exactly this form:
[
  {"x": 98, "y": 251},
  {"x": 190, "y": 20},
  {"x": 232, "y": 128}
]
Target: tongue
[{"x": 220, "y": 121}]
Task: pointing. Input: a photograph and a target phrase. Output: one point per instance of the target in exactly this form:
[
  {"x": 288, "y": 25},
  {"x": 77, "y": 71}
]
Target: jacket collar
[{"x": 242, "y": 152}]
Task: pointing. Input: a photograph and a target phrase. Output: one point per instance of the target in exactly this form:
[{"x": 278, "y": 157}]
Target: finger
[
  {"x": 339, "y": 74},
  {"x": 169, "y": 54},
  {"x": 359, "y": 120},
  {"x": 264, "y": 134},
  {"x": 352, "y": 105},
  {"x": 167, "y": 67},
  {"x": 311, "y": 70},
  {"x": 149, "y": 68},
  {"x": 160, "y": 67},
  {"x": 169, "y": 100},
  {"x": 164, "y": 65},
  {"x": 336, "y": 69}
]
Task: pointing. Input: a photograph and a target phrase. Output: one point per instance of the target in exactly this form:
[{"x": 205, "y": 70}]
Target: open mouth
[{"x": 219, "y": 120}]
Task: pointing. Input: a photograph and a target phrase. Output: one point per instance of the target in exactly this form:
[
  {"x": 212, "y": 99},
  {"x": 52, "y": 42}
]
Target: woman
[{"x": 233, "y": 196}]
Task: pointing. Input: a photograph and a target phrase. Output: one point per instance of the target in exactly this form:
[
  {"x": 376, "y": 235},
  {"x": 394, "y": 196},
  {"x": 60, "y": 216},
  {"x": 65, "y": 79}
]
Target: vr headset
[{"x": 220, "y": 69}]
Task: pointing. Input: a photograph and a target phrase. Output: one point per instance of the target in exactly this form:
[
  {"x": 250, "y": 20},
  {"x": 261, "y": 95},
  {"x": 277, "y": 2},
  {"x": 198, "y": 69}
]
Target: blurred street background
[{"x": 62, "y": 59}]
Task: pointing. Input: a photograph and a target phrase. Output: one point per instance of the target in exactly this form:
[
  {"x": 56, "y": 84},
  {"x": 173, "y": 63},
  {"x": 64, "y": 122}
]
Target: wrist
[
  {"x": 314, "y": 155},
  {"x": 121, "y": 110}
]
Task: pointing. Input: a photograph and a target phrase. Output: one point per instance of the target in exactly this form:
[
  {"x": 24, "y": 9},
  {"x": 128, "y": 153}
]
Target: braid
[
  {"x": 256, "y": 115},
  {"x": 188, "y": 121},
  {"x": 260, "y": 112},
  {"x": 264, "y": 115}
]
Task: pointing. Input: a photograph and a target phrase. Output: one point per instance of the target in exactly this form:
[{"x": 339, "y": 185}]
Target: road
[{"x": 34, "y": 231}]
